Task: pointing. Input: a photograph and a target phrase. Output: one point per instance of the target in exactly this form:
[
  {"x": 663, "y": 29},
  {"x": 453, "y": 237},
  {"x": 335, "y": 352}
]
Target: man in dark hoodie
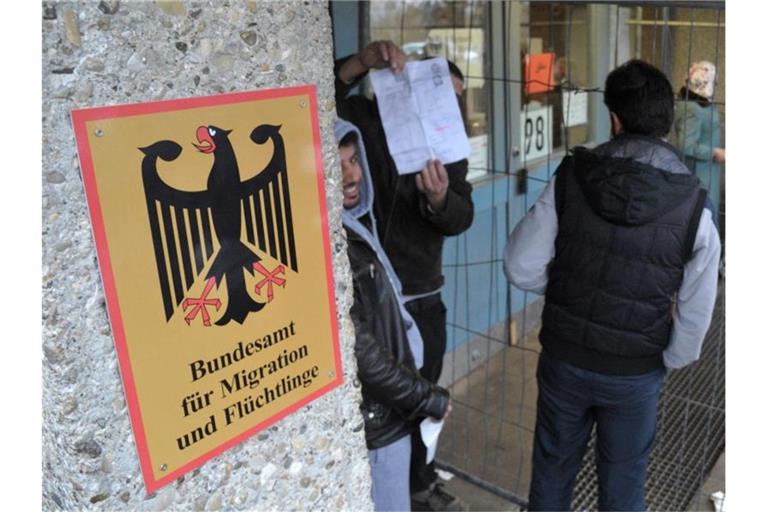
[
  {"x": 415, "y": 213},
  {"x": 627, "y": 255},
  {"x": 388, "y": 345}
]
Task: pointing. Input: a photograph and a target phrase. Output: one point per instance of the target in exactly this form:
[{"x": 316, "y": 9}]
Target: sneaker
[{"x": 437, "y": 498}]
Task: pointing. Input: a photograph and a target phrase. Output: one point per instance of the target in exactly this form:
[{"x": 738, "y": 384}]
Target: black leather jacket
[
  {"x": 394, "y": 394},
  {"x": 410, "y": 233}
]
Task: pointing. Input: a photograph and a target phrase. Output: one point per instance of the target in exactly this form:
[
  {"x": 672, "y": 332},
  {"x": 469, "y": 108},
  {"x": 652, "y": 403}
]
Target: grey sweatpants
[{"x": 390, "y": 466}]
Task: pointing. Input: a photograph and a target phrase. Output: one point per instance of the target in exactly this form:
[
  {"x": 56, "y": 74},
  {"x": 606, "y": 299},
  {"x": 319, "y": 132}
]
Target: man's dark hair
[
  {"x": 642, "y": 98},
  {"x": 348, "y": 139},
  {"x": 454, "y": 70}
]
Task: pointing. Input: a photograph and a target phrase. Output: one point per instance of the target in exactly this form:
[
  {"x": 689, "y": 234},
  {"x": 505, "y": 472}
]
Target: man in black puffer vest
[{"x": 625, "y": 249}]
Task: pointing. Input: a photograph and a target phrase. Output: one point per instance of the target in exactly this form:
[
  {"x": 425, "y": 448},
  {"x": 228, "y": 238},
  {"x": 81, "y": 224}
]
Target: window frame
[{"x": 503, "y": 29}]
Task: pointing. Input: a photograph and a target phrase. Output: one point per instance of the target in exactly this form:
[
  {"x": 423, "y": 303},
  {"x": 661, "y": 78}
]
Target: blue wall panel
[{"x": 475, "y": 291}]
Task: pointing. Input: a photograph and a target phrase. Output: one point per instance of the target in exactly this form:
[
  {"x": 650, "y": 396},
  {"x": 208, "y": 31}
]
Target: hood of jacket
[
  {"x": 632, "y": 179},
  {"x": 366, "y": 187},
  {"x": 350, "y": 217}
]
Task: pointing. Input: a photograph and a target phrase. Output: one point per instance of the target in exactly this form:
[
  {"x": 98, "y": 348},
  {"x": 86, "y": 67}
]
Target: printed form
[{"x": 420, "y": 115}]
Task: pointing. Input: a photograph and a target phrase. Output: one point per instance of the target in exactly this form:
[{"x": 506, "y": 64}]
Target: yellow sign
[{"x": 211, "y": 229}]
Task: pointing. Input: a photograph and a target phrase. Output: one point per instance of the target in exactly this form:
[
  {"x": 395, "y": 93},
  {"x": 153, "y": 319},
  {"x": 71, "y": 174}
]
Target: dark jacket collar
[
  {"x": 688, "y": 95},
  {"x": 645, "y": 139},
  {"x": 649, "y": 150}
]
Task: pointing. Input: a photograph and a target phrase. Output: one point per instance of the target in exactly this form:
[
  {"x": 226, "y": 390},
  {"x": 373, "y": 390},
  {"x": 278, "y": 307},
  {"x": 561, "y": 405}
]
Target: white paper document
[
  {"x": 575, "y": 104},
  {"x": 430, "y": 431},
  {"x": 420, "y": 115}
]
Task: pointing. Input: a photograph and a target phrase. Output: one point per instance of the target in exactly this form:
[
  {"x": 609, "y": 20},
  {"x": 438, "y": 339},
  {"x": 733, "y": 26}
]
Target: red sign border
[{"x": 80, "y": 117}]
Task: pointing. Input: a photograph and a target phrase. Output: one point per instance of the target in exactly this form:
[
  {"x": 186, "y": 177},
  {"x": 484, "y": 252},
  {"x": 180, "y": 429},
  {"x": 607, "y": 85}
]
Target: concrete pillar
[{"x": 115, "y": 52}]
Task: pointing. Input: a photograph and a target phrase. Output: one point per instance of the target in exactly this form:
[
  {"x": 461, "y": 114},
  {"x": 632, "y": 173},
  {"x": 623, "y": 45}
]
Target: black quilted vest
[{"x": 625, "y": 231}]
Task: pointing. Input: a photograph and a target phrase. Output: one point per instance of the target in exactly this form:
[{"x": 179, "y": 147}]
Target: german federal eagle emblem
[{"x": 199, "y": 234}]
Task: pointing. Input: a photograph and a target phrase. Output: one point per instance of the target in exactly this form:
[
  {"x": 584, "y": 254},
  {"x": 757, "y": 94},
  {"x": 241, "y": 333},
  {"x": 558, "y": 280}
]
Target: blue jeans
[
  {"x": 389, "y": 475},
  {"x": 571, "y": 400}
]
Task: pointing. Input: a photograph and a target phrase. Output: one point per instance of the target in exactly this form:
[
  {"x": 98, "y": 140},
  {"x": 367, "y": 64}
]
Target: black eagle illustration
[{"x": 184, "y": 223}]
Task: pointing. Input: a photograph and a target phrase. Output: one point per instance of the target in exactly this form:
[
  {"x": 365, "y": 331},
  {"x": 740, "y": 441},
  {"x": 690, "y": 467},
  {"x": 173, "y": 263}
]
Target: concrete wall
[{"x": 110, "y": 52}]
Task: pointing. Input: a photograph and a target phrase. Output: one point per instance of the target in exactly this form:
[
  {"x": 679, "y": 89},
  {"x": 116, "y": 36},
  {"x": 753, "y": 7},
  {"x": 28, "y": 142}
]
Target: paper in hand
[
  {"x": 420, "y": 115},
  {"x": 430, "y": 431}
]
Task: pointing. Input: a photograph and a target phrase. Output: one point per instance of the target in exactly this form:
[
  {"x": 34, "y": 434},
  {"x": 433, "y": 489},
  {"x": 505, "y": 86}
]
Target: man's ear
[{"x": 616, "y": 127}]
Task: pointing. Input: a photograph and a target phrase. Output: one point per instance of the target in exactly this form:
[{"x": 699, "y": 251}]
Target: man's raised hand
[
  {"x": 383, "y": 54},
  {"x": 377, "y": 55},
  {"x": 433, "y": 182}
]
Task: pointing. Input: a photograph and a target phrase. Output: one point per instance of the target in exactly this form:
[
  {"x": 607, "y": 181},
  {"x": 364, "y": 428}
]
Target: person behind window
[
  {"x": 414, "y": 214},
  {"x": 626, "y": 253},
  {"x": 387, "y": 341},
  {"x": 697, "y": 129}
]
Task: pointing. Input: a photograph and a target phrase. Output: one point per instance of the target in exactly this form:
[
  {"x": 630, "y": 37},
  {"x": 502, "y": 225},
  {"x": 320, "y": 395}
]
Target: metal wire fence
[
  {"x": 493, "y": 327},
  {"x": 489, "y": 436}
]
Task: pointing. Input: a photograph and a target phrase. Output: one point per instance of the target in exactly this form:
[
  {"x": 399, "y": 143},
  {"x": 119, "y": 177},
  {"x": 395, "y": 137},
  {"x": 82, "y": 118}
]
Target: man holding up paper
[{"x": 414, "y": 211}]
